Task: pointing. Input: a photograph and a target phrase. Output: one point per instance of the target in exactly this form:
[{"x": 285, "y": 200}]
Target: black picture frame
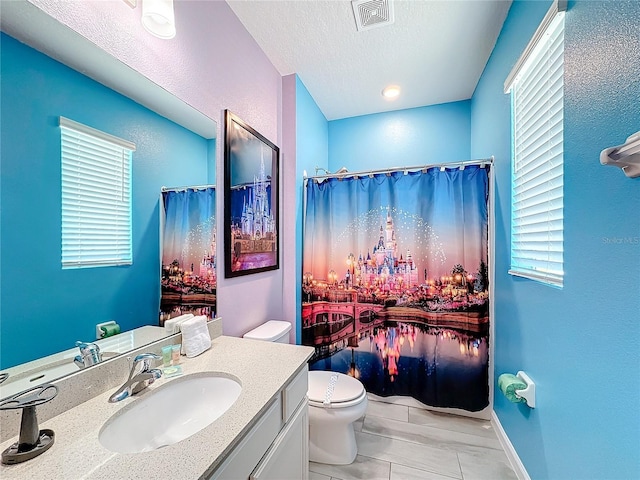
[{"x": 251, "y": 191}]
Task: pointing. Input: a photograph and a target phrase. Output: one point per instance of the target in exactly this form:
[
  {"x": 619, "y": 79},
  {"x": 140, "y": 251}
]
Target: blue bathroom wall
[
  {"x": 45, "y": 309},
  {"x": 578, "y": 343},
  {"x": 411, "y": 137},
  {"x": 312, "y": 146}
]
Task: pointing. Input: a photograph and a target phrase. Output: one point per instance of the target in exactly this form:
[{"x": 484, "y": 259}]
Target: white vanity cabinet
[
  {"x": 288, "y": 457},
  {"x": 277, "y": 447}
]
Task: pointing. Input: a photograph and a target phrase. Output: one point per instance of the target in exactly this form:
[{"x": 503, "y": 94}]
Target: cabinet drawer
[{"x": 293, "y": 393}]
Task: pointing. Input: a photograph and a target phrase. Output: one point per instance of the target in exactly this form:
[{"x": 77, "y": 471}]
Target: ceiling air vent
[{"x": 372, "y": 13}]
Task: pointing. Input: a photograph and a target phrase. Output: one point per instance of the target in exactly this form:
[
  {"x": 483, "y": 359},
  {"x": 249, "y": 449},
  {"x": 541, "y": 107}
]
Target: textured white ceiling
[
  {"x": 91, "y": 41},
  {"x": 435, "y": 50}
]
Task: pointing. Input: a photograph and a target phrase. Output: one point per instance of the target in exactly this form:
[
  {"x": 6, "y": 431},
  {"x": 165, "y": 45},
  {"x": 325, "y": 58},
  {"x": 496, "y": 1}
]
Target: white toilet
[{"x": 335, "y": 402}]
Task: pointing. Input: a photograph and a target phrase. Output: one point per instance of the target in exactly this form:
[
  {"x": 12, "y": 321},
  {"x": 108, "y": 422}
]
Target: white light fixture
[
  {"x": 391, "y": 92},
  {"x": 158, "y": 18}
]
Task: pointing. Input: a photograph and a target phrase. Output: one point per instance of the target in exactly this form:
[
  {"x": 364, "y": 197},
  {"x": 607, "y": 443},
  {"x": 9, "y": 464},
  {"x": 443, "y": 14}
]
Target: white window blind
[
  {"x": 537, "y": 181},
  {"x": 96, "y": 197}
]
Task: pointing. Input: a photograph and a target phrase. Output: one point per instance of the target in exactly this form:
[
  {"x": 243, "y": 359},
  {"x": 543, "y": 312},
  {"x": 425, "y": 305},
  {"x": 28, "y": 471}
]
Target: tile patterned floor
[{"x": 404, "y": 442}]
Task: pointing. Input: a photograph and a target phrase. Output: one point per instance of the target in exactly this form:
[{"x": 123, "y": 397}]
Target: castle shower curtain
[
  {"x": 395, "y": 283},
  {"x": 188, "y": 253}
]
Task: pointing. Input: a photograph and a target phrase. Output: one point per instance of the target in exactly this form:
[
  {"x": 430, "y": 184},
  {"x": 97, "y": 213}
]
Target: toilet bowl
[{"x": 335, "y": 402}]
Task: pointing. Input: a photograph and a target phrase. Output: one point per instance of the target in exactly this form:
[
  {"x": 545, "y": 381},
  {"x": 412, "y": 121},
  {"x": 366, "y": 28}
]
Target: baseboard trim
[{"x": 512, "y": 455}]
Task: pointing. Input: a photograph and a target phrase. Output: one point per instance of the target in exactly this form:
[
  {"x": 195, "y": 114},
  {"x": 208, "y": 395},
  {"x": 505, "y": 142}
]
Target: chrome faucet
[
  {"x": 89, "y": 354},
  {"x": 138, "y": 381}
]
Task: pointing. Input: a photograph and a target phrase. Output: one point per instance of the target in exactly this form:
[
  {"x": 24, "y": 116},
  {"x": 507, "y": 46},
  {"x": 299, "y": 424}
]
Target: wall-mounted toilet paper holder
[{"x": 529, "y": 393}]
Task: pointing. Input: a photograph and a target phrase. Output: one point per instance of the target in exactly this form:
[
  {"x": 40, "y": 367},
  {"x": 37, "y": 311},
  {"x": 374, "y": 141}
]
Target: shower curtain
[
  {"x": 395, "y": 283},
  {"x": 188, "y": 253}
]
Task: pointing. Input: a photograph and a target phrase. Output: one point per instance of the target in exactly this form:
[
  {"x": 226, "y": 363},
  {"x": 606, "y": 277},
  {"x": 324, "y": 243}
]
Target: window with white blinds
[
  {"x": 537, "y": 169},
  {"x": 96, "y": 197}
]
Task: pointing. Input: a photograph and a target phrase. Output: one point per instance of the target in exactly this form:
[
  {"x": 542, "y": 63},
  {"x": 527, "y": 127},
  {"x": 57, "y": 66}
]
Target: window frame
[
  {"x": 96, "y": 197},
  {"x": 537, "y": 181}
]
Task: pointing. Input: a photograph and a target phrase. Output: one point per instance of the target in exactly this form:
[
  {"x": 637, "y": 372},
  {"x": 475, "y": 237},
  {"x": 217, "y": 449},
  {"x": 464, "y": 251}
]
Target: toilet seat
[{"x": 334, "y": 390}]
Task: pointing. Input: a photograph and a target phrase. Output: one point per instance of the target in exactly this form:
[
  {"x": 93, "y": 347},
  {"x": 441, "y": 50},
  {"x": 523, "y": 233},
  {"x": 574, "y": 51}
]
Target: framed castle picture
[{"x": 250, "y": 200}]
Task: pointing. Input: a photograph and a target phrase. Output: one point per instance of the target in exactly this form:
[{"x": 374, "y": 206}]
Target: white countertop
[{"x": 263, "y": 368}]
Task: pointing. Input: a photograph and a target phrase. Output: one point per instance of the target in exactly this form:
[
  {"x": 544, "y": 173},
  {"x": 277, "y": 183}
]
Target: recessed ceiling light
[{"x": 391, "y": 92}]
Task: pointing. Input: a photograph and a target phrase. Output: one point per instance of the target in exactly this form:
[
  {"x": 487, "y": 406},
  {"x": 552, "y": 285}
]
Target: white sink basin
[{"x": 170, "y": 413}]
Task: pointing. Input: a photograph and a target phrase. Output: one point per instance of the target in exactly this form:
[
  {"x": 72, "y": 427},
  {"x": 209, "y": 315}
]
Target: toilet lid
[{"x": 341, "y": 388}]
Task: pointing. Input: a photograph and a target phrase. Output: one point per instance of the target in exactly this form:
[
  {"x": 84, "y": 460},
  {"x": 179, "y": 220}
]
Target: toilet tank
[{"x": 271, "y": 331}]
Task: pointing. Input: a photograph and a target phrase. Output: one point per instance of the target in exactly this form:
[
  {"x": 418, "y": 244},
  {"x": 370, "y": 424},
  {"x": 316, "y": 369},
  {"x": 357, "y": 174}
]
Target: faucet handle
[
  {"x": 144, "y": 356},
  {"x": 145, "y": 359}
]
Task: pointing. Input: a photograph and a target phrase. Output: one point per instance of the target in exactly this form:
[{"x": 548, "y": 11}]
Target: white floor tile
[
  {"x": 400, "y": 440},
  {"x": 410, "y": 454},
  {"x": 480, "y": 467},
  {"x": 421, "y": 416},
  {"x": 402, "y": 472},
  {"x": 388, "y": 410},
  {"x": 318, "y": 476},
  {"x": 361, "y": 469},
  {"x": 426, "y": 435}
]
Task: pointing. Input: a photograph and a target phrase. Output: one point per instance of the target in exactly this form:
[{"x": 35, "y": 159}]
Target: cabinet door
[
  {"x": 288, "y": 457},
  {"x": 251, "y": 449}
]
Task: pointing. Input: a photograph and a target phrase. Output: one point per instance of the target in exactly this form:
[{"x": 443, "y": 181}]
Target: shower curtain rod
[
  {"x": 364, "y": 173},
  {"x": 190, "y": 187}
]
